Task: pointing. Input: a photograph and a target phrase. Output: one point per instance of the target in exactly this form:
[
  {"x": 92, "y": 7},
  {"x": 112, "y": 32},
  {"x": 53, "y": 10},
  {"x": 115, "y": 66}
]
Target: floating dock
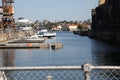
[
  {"x": 57, "y": 46},
  {"x": 17, "y": 46},
  {"x": 27, "y": 41},
  {"x": 30, "y": 45},
  {"x": 26, "y": 44}
]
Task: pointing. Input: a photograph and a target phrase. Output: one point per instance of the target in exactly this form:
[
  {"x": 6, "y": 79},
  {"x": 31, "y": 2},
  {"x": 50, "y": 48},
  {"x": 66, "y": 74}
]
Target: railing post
[
  {"x": 49, "y": 77},
  {"x": 2, "y": 76},
  {"x": 87, "y": 68}
]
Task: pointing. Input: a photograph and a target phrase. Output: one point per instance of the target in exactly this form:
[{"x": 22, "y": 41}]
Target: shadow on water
[{"x": 105, "y": 54}]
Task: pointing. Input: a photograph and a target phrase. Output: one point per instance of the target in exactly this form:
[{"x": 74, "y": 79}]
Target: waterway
[{"x": 77, "y": 50}]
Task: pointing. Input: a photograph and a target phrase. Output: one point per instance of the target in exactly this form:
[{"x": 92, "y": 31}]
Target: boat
[
  {"x": 33, "y": 38},
  {"x": 45, "y": 33},
  {"x": 49, "y": 34}
]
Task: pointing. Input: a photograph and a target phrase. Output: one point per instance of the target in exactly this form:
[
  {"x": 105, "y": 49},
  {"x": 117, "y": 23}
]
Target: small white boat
[
  {"x": 49, "y": 34},
  {"x": 34, "y": 38},
  {"x": 45, "y": 33},
  {"x": 39, "y": 34}
]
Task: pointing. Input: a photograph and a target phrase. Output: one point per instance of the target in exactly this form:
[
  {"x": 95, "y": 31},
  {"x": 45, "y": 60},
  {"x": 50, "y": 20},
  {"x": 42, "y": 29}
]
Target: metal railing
[{"x": 84, "y": 72}]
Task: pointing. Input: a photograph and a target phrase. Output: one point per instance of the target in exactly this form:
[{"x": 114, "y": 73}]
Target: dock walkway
[{"x": 19, "y": 44}]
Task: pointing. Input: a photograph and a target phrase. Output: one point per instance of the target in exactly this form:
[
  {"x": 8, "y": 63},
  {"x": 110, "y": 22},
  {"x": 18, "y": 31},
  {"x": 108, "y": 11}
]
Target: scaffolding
[{"x": 7, "y": 18}]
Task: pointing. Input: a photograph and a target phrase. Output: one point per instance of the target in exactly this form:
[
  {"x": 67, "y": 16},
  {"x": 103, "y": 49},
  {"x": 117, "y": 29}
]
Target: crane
[{"x": 8, "y": 21}]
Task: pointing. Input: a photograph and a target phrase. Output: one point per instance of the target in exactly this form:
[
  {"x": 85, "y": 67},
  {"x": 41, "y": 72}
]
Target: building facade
[{"x": 106, "y": 21}]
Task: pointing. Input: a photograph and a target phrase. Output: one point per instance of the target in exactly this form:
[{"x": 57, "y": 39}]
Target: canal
[{"x": 77, "y": 50}]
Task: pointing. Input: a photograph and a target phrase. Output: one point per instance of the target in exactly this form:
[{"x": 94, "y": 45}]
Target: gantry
[{"x": 7, "y": 12}]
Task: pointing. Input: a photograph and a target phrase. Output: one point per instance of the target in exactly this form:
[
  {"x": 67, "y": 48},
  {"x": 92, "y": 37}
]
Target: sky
[{"x": 75, "y": 10}]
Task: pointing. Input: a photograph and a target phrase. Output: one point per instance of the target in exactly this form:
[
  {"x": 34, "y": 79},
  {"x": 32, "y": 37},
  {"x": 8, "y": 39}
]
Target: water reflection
[
  {"x": 105, "y": 54},
  {"x": 7, "y": 57}
]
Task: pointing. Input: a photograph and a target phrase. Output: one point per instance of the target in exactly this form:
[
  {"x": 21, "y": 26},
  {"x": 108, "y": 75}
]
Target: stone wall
[
  {"x": 10, "y": 36},
  {"x": 106, "y": 21}
]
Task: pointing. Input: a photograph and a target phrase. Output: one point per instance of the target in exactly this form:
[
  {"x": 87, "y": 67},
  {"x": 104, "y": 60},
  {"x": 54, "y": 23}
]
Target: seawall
[
  {"x": 10, "y": 36},
  {"x": 106, "y": 22}
]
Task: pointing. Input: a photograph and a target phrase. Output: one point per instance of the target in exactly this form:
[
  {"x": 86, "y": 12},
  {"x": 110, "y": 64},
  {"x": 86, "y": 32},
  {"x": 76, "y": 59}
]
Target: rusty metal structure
[{"x": 8, "y": 21}]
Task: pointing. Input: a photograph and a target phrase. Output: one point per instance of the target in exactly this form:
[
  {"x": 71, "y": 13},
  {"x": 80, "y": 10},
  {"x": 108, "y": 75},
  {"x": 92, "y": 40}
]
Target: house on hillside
[
  {"x": 72, "y": 27},
  {"x": 57, "y": 28},
  {"x": 24, "y": 24}
]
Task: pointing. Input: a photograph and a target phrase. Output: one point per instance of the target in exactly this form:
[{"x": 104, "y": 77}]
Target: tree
[{"x": 80, "y": 27}]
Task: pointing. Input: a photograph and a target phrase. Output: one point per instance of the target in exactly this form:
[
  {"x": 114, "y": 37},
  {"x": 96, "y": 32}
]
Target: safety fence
[{"x": 84, "y": 72}]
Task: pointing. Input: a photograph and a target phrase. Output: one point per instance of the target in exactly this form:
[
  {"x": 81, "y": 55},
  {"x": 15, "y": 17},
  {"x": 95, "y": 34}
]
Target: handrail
[
  {"x": 56, "y": 67},
  {"x": 85, "y": 70},
  {"x": 41, "y": 68},
  {"x": 106, "y": 67}
]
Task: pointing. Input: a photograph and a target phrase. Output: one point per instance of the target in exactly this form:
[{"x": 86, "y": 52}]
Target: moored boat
[
  {"x": 49, "y": 34},
  {"x": 45, "y": 33},
  {"x": 34, "y": 38}
]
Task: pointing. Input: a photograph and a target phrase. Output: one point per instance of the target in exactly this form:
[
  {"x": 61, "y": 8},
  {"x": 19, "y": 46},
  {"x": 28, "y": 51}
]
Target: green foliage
[
  {"x": 50, "y": 25},
  {"x": 80, "y": 27}
]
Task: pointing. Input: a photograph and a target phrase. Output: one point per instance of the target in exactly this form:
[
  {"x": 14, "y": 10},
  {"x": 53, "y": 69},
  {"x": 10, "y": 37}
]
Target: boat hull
[
  {"x": 49, "y": 34},
  {"x": 46, "y": 34}
]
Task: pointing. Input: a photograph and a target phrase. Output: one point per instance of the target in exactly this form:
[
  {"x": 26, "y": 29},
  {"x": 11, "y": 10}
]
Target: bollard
[
  {"x": 87, "y": 68},
  {"x": 49, "y": 77}
]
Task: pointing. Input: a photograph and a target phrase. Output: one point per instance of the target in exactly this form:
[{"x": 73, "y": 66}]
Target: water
[{"x": 77, "y": 50}]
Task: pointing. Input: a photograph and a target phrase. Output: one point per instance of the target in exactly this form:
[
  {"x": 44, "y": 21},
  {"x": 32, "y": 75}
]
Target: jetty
[
  {"x": 22, "y": 44},
  {"x": 57, "y": 46},
  {"x": 27, "y": 41},
  {"x": 31, "y": 45}
]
